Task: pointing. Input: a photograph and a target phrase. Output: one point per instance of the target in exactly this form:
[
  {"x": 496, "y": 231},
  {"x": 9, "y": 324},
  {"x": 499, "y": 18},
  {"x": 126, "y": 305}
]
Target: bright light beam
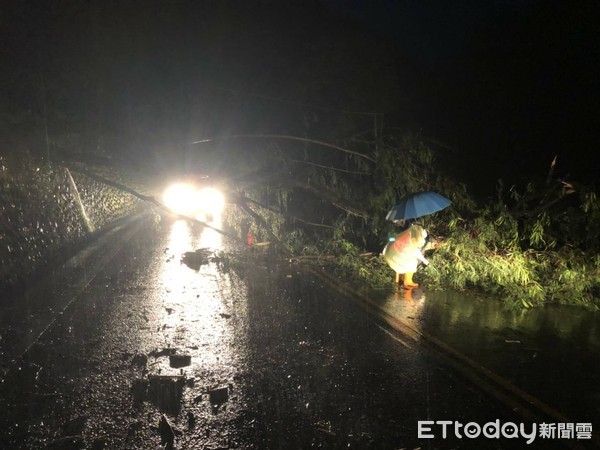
[
  {"x": 204, "y": 204},
  {"x": 181, "y": 199}
]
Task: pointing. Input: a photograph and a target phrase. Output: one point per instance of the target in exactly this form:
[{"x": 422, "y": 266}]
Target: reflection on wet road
[
  {"x": 263, "y": 356},
  {"x": 195, "y": 301},
  {"x": 550, "y": 353}
]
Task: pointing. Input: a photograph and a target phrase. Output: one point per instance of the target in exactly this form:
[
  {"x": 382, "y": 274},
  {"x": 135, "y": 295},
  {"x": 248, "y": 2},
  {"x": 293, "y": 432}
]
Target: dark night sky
[
  {"x": 506, "y": 84},
  {"x": 511, "y": 83},
  {"x": 430, "y": 31}
]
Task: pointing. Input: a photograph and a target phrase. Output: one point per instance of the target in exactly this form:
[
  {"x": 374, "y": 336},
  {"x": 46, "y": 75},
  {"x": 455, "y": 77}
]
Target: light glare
[
  {"x": 185, "y": 199},
  {"x": 180, "y": 198}
]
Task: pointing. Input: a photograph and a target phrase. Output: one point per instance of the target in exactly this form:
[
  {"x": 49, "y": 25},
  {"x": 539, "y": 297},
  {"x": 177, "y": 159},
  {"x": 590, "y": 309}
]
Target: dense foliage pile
[
  {"x": 528, "y": 251},
  {"x": 528, "y": 246}
]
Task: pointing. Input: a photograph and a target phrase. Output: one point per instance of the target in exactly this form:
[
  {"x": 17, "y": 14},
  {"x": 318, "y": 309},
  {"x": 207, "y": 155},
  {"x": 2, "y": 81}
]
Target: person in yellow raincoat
[{"x": 404, "y": 254}]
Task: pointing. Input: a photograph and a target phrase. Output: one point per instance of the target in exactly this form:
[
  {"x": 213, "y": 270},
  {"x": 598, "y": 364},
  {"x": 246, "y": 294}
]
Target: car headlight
[{"x": 186, "y": 199}]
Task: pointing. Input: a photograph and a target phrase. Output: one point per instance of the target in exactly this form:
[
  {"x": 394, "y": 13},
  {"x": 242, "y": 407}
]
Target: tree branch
[
  {"x": 329, "y": 167},
  {"x": 243, "y": 199},
  {"x": 281, "y": 136},
  {"x": 150, "y": 199},
  {"x": 323, "y": 192},
  {"x": 259, "y": 219}
]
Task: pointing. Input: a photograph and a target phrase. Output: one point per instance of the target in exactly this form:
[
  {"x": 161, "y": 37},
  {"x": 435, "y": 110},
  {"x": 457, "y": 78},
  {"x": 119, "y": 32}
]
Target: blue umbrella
[{"x": 417, "y": 205}]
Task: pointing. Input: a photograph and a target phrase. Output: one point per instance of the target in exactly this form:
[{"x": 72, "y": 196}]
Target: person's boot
[{"x": 408, "y": 281}]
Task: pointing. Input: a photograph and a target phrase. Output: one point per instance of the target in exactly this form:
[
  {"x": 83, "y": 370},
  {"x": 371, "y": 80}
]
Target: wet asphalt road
[{"x": 278, "y": 359}]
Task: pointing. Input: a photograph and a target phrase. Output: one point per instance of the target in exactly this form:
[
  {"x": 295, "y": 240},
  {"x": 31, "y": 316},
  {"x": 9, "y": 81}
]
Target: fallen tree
[{"x": 529, "y": 246}]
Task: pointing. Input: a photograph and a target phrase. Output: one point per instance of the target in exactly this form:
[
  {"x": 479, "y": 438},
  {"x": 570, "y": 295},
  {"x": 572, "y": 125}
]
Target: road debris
[
  {"x": 139, "y": 391},
  {"x": 167, "y": 351},
  {"x": 166, "y": 392},
  {"x": 75, "y": 427},
  {"x": 219, "y": 395},
  {"x": 167, "y": 435},
  {"x": 139, "y": 360},
  {"x": 177, "y": 361},
  {"x": 194, "y": 260},
  {"x": 191, "y": 419},
  {"x": 100, "y": 443}
]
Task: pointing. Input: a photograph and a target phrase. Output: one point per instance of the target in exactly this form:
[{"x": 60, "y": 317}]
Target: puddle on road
[
  {"x": 550, "y": 352},
  {"x": 467, "y": 319}
]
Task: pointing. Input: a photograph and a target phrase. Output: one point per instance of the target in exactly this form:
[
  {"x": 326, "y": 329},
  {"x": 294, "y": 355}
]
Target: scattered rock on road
[
  {"x": 167, "y": 435},
  {"x": 166, "y": 392},
  {"x": 139, "y": 360},
  {"x": 177, "y": 361},
  {"x": 139, "y": 391},
  {"x": 219, "y": 395},
  {"x": 196, "y": 258}
]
